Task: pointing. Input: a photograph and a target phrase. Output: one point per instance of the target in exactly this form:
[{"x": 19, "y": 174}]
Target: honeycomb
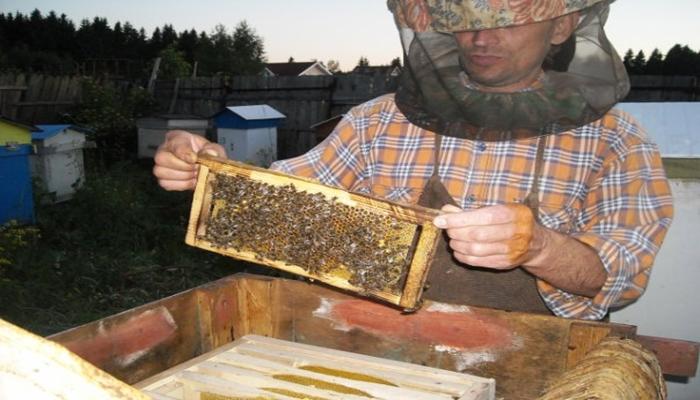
[{"x": 319, "y": 234}]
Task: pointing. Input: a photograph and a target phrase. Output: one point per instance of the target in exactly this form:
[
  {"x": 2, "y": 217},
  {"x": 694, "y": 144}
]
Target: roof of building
[
  {"x": 256, "y": 112},
  {"x": 294, "y": 68},
  {"x": 47, "y": 131},
  {"x": 18, "y": 124},
  {"x": 377, "y": 70},
  {"x": 289, "y": 68}
]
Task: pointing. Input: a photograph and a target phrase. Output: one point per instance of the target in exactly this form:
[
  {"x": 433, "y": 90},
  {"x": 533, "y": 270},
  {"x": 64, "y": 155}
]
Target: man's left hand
[{"x": 499, "y": 237}]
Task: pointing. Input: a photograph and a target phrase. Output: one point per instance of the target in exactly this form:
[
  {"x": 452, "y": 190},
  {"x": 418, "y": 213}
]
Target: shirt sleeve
[
  {"x": 625, "y": 218},
  {"x": 337, "y": 161}
]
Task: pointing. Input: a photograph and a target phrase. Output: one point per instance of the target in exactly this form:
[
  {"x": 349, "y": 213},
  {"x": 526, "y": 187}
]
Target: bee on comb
[{"x": 366, "y": 245}]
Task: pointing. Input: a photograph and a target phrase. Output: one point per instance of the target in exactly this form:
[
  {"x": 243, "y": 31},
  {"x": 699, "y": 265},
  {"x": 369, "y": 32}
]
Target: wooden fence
[
  {"x": 648, "y": 88},
  {"x": 305, "y": 101},
  {"x": 37, "y": 98}
]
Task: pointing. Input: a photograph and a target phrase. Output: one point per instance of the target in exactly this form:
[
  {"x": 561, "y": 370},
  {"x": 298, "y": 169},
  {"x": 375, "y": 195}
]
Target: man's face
[{"x": 509, "y": 59}]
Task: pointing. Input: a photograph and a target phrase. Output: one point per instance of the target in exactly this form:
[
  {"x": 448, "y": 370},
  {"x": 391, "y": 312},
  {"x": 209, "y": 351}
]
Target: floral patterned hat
[
  {"x": 434, "y": 90},
  {"x": 465, "y": 15}
]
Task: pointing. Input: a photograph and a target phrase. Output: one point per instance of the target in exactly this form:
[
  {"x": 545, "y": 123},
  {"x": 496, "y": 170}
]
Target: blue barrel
[{"x": 16, "y": 201}]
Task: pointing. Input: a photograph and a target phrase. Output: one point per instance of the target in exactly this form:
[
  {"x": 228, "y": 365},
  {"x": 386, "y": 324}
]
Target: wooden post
[
  {"x": 173, "y": 99},
  {"x": 154, "y": 76}
]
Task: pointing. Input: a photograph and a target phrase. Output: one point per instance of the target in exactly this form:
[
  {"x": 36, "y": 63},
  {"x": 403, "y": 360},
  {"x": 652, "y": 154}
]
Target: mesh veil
[{"x": 434, "y": 91}]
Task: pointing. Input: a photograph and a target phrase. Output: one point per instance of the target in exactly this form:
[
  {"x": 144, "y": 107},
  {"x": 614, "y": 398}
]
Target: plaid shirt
[{"x": 602, "y": 184}]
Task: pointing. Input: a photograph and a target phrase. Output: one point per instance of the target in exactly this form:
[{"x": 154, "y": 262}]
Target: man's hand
[
  {"x": 499, "y": 237},
  {"x": 175, "y": 159},
  {"x": 507, "y": 236}
]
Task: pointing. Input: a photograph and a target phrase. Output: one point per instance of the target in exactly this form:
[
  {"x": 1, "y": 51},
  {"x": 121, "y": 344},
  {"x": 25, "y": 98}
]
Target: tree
[
  {"x": 333, "y": 66},
  {"x": 639, "y": 63},
  {"x": 396, "y": 62},
  {"x": 187, "y": 43},
  {"x": 680, "y": 60},
  {"x": 627, "y": 60},
  {"x": 249, "y": 51},
  {"x": 364, "y": 62},
  {"x": 655, "y": 63},
  {"x": 173, "y": 63}
]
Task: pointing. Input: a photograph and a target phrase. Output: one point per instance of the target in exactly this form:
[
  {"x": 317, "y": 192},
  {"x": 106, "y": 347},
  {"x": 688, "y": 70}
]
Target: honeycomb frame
[{"x": 420, "y": 255}]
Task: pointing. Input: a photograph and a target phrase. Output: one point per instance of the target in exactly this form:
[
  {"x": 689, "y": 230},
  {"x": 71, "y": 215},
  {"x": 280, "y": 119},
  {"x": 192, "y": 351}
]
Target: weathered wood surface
[
  {"x": 34, "y": 368},
  {"x": 427, "y": 234},
  {"x": 523, "y": 352},
  {"x": 263, "y": 366},
  {"x": 677, "y": 357}
]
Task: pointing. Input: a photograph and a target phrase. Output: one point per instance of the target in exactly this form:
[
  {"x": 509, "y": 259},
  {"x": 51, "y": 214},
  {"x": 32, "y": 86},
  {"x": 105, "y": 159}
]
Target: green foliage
[
  {"x": 118, "y": 244},
  {"x": 173, "y": 64},
  {"x": 14, "y": 238},
  {"x": 112, "y": 117},
  {"x": 679, "y": 60},
  {"x": 53, "y": 44},
  {"x": 240, "y": 53}
]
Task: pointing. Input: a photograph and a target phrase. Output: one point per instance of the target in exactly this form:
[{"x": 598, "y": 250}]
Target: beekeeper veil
[{"x": 582, "y": 79}]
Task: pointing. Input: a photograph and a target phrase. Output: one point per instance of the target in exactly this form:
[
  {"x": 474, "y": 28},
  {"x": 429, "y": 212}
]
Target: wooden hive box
[
  {"x": 358, "y": 243},
  {"x": 257, "y": 367}
]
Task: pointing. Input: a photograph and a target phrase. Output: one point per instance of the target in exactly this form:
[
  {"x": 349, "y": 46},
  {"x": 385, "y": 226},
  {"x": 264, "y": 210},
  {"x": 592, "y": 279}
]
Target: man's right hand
[{"x": 175, "y": 159}]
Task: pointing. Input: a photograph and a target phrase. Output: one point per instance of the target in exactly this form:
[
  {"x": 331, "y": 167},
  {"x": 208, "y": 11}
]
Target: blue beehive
[
  {"x": 249, "y": 133},
  {"x": 16, "y": 201}
]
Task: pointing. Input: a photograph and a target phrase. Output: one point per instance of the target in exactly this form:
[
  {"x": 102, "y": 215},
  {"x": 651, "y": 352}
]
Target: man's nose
[{"x": 485, "y": 37}]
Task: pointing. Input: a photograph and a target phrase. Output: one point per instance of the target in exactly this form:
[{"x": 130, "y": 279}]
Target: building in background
[{"x": 311, "y": 68}]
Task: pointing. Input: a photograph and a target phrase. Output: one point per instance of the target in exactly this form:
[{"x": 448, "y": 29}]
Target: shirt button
[{"x": 481, "y": 146}]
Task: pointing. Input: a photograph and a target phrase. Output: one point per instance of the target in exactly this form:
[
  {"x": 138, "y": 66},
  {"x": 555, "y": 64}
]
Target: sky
[{"x": 348, "y": 30}]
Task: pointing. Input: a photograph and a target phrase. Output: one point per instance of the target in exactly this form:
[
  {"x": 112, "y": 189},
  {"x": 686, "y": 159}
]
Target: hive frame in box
[
  {"x": 422, "y": 252},
  {"x": 260, "y": 367}
]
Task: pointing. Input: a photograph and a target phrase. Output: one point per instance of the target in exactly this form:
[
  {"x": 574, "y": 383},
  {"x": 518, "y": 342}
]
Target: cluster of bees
[{"x": 320, "y": 235}]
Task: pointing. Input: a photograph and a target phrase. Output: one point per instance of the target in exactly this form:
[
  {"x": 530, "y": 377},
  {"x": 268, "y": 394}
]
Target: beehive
[
  {"x": 366, "y": 245},
  {"x": 256, "y": 367}
]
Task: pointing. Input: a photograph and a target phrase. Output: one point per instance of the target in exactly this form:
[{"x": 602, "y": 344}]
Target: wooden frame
[
  {"x": 524, "y": 353},
  {"x": 422, "y": 253},
  {"x": 262, "y": 367}
]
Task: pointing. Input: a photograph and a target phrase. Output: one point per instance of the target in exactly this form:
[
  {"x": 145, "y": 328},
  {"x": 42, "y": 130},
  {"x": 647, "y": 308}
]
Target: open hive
[
  {"x": 351, "y": 241},
  {"x": 256, "y": 367}
]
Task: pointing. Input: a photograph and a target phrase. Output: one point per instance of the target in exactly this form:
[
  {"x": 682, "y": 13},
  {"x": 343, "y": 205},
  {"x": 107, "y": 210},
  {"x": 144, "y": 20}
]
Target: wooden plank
[
  {"x": 139, "y": 342},
  {"x": 43, "y": 103},
  {"x": 257, "y": 302},
  {"x": 522, "y": 352},
  {"x": 11, "y": 88},
  {"x": 677, "y": 357},
  {"x": 35, "y": 368},
  {"x": 584, "y": 336}
]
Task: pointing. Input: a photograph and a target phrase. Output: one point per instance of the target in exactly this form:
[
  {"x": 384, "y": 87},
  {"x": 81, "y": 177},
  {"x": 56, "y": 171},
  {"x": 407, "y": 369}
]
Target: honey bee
[{"x": 309, "y": 230}]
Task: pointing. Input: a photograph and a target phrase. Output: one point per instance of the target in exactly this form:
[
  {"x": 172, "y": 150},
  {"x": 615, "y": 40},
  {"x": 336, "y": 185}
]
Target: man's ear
[{"x": 564, "y": 26}]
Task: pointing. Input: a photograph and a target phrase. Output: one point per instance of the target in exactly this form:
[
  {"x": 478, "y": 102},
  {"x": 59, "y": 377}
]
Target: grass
[
  {"x": 118, "y": 244},
  {"x": 682, "y": 168}
]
